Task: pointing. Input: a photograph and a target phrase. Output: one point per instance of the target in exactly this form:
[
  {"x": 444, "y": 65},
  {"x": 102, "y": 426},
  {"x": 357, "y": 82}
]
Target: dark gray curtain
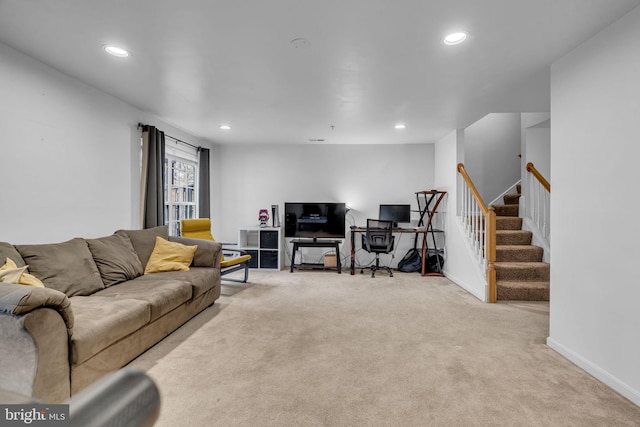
[
  {"x": 152, "y": 177},
  {"x": 204, "y": 178}
]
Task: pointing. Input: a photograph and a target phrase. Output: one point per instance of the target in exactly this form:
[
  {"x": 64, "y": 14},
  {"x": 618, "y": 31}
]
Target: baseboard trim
[
  {"x": 472, "y": 290},
  {"x": 596, "y": 371}
]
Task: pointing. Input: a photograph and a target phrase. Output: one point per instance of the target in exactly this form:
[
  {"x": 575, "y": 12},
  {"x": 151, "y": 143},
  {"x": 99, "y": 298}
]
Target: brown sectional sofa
[{"x": 97, "y": 311}]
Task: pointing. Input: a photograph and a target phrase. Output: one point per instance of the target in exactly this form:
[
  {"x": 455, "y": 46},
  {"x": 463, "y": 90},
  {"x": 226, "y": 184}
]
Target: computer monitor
[{"x": 395, "y": 213}]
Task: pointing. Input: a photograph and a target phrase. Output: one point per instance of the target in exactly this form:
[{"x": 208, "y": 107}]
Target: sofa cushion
[
  {"x": 67, "y": 267},
  {"x": 201, "y": 279},
  {"x": 169, "y": 256},
  {"x": 115, "y": 258},
  {"x": 163, "y": 295},
  {"x": 145, "y": 240},
  {"x": 7, "y": 250},
  {"x": 101, "y": 321},
  {"x": 207, "y": 253}
]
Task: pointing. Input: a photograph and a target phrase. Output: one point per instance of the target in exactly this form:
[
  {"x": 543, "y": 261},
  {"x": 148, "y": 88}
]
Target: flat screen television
[
  {"x": 315, "y": 220},
  {"x": 395, "y": 213}
]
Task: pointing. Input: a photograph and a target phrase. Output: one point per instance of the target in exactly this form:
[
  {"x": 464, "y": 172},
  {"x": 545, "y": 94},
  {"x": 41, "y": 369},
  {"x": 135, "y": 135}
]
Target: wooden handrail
[
  {"x": 473, "y": 188},
  {"x": 539, "y": 177},
  {"x": 489, "y": 215}
]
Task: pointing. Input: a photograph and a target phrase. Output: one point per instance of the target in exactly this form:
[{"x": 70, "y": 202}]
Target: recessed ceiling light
[
  {"x": 225, "y": 127},
  {"x": 400, "y": 126},
  {"x": 116, "y": 51},
  {"x": 455, "y": 38}
]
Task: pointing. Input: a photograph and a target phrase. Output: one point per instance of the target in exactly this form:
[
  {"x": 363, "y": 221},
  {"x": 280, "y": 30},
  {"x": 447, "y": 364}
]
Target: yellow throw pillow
[
  {"x": 30, "y": 280},
  {"x": 10, "y": 273},
  {"x": 170, "y": 256},
  {"x": 9, "y": 264}
]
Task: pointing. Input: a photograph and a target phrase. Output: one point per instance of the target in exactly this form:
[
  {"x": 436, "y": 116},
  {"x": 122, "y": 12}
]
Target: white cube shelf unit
[{"x": 263, "y": 244}]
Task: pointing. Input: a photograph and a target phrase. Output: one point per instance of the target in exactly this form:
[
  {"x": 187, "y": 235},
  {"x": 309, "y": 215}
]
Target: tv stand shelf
[{"x": 313, "y": 243}]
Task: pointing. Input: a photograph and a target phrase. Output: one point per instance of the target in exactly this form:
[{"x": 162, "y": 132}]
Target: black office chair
[{"x": 378, "y": 239}]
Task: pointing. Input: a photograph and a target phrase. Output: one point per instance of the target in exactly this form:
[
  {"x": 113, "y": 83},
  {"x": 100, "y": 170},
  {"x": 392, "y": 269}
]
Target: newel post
[{"x": 492, "y": 289}]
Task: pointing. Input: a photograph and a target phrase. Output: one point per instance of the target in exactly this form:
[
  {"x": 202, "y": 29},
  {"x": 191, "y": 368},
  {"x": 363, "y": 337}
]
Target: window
[{"x": 181, "y": 181}]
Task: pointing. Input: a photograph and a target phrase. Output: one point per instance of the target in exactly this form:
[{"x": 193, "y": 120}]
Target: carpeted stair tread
[
  {"x": 513, "y": 237},
  {"x": 521, "y": 274},
  {"x": 502, "y": 222},
  {"x": 508, "y": 223},
  {"x": 511, "y": 199},
  {"x": 522, "y": 271},
  {"x": 523, "y": 291},
  {"x": 519, "y": 253},
  {"x": 506, "y": 210}
]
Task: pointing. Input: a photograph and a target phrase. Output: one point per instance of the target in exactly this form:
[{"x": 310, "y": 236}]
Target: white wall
[
  {"x": 536, "y": 142},
  {"x": 363, "y": 176},
  {"x": 492, "y": 146},
  {"x": 459, "y": 264},
  {"x": 595, "y": 296},
  {"x": 537, "y": 150},
  {"x": 70, "y": 162}
]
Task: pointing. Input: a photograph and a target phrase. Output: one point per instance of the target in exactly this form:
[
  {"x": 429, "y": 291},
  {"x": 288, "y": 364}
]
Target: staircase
[{"x": 521, "y": 274}]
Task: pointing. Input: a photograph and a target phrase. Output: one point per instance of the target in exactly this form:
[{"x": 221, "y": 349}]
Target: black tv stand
[{"x": 315, "y": 243}]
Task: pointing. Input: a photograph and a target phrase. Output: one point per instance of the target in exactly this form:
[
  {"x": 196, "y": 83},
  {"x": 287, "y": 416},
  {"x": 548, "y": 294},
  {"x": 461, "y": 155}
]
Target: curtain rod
[{"x": 174, "y": 138}]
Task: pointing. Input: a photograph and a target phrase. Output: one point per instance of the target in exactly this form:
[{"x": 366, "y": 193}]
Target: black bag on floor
[
  {"x": 435, "y": 263},
  {"x": 412, "y": 261}
]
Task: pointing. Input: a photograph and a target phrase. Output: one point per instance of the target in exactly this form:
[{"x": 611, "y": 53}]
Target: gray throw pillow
[
  {"x": 67, "y": 267},
  {"x": 116, "y": 259},
  {"x": 144, "y": 241},
  {"x": 8, "y": 251}
]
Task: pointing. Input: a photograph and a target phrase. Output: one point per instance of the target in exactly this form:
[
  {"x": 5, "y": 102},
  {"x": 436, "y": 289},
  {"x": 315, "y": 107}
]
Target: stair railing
[
  {"x": 500, "y": 199},
  {"x": 538, "y": 200},
  {"x": 479, "y": 223}
]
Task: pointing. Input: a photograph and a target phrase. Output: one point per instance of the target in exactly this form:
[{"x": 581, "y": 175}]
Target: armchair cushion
[
  {"x": 200, "y": 228},
  {"x": 196, "y": 228},
  {"x": 229, "y": 261}
]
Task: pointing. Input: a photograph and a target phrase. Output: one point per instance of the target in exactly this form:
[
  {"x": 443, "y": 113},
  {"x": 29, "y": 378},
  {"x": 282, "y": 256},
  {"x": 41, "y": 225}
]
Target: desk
[
  {"x": 411, "y": 230},
  {"x": 335, "y": 244}
]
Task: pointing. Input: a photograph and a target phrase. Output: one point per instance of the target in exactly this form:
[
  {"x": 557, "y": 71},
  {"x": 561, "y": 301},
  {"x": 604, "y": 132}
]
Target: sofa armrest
[
  {"x": 35, "y": 326},
  {"x": 208, "y": 254},
  {"x": 18, "y": 300}
]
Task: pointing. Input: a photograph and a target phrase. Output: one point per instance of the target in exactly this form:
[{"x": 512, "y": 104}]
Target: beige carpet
[{"x": 316, "y": 348}]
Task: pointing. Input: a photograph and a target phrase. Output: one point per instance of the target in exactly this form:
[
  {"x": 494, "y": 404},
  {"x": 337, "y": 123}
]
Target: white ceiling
[{"x": 369, "y": 65}]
